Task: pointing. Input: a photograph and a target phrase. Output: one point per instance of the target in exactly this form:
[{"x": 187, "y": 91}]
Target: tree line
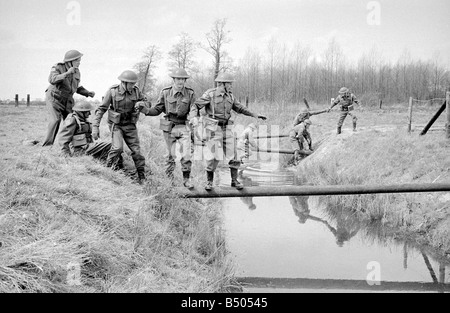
[{"x": 282, "y": 73}]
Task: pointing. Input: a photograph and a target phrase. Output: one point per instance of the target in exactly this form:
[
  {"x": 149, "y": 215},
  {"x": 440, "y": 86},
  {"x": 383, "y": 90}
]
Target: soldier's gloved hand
[
  {"x": 91, "y": 94},
  {"x": 71, "y": 71},
  {"x": 95, "y": 132},
  {"x": 261, "y": 117},
  {"x": 194, "y": 122},
  {"x": 141, "y": 107}
]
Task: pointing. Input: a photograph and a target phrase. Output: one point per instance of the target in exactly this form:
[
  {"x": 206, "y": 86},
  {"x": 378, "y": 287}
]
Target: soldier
[
  {"x": 77, "y": 130},
  {"x": 176, "y": 101},
  {"x": 245, "y": 142},
  {"x": 299, "y": 136},
  {"x": 306, "y": 114},
  {"x": 345, "y": 100},
  {"x": 219, "y": 102},
  {"x": 64, "y": 81},
  {"x": 121, "y": 102}
]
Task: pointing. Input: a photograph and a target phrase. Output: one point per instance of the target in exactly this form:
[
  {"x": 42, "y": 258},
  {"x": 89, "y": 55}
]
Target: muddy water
[{"x": 297, "y": 244}]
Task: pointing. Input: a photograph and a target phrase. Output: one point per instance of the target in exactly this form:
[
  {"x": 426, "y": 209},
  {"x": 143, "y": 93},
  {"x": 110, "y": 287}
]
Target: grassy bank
[{"x": 72, "y": 225}]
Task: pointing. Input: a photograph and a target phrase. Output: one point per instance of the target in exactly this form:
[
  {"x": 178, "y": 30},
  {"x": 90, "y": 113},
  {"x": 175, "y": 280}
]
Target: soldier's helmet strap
[
  {"x": 77, "y": 120},
  {"x": 113, "y": 97}
]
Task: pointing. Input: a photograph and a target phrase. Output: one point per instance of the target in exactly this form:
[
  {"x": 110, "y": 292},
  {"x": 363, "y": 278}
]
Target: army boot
[
  {"x": 119, "y": 164},
  {"x": 339, "y": 130},
  {"x": 210, "y": 180},
  {"x": 234, "y": 182},
  {"x": 187, "y": 180},
  {"x": 141, "y": 177}
]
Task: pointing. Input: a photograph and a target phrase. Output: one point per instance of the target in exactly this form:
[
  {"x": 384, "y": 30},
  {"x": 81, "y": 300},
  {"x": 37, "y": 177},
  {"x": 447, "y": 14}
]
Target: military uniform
[
  {"x": 59, "y": 97},
  {"x": 299, "y": 136},
  {"x": 176, "y": 105},
  {"x": 245, "y": 142},
  {"x": 76, "y": 131},
  {"x": 218, "y": 105},
  {"x": 346, "y": 103},
  {"x": 304, "y": 115},
  {"x": 122, "y": 119},
  {"x": 301, "y": 208}
]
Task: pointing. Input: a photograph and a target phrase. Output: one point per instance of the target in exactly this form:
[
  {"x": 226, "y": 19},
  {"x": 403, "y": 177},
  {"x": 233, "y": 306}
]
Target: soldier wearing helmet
[
  {"x": 299, "y": 136},
  {"x": 219, "y": 102},
  {"x": 305, "y": 114},
  {"x": 246, "y": 142},
  {"x": 76, "y": 131},
  {"x": 176, "y": 101},
  {"x": 346, "y": 100},
  {"x": 121, "y": 102},
  {"x": 64, "y": 81}
]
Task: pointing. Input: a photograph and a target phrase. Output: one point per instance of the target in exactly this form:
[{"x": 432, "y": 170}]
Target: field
[{"x": 72, "y": 225}]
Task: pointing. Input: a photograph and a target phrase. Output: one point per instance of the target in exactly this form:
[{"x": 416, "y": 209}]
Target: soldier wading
[
  {"x": 219, "y": 102},
  {"x": 120, "y": 102},
  {"x": 176, "y": 102}
]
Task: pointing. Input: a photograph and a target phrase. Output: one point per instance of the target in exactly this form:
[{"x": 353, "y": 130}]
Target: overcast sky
[{"x": 35, "y": 34}]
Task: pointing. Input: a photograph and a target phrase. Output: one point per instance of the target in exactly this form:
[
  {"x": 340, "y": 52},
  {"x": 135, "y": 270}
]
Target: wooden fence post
[
  {"x": 447, "y": 101},
  {"x": 17, "y": 100},
  {"x": 434, "y": 118},
  {"x": 28, "y": 100},
  {"x": 410, "y": 114}
]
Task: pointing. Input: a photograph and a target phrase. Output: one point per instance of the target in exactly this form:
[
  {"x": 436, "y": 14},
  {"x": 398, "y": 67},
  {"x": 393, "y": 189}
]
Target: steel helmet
[
  {"x": 179, "y": 73},
  {"x": 344, "y": 90},
  {"x": 72, "y": 55},
  {"x": 224, "y": 78},
  {"x": 304, "y": 111},
  {"x": 128, "y": 76},
  {"x": 83, "y": 107}
]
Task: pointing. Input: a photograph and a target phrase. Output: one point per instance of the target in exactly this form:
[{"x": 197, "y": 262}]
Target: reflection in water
[
  {"x": 303, "y": 254},
  {"x": 248, "y": 201},
  {"x": 346, "y": 227}
]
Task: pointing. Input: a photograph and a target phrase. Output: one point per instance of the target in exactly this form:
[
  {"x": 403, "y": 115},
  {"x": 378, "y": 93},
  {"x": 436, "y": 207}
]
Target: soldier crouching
[{"x": 77, "y": 130}]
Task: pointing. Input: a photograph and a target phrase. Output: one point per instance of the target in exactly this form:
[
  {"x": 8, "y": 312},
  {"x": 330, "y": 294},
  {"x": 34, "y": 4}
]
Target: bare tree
[
  {"x": 332, "y": 57},
  {"x": 438, "y": 74},
  {"x": 152, "y": 54},
  {"x": 272, "y": 49},
  {"x": 217, "y": 38},
  {"x": 183, "y": 52},
  {"x": 301, "y": 56}
]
